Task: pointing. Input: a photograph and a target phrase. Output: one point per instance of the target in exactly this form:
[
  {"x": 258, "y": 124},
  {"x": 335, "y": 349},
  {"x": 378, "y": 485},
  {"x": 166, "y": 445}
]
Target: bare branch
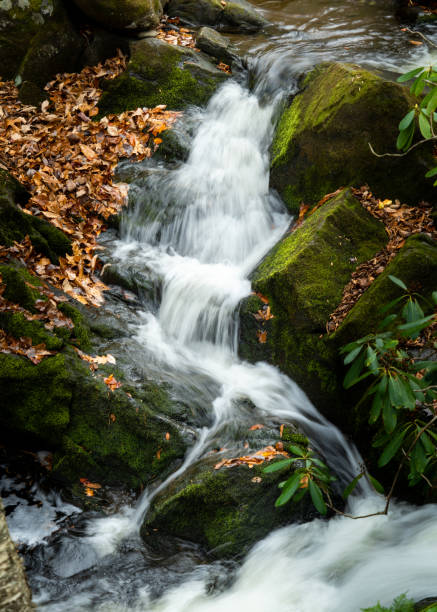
[
  {"x": 417, "y": 144},
  {"x": 425, "y": 38}
]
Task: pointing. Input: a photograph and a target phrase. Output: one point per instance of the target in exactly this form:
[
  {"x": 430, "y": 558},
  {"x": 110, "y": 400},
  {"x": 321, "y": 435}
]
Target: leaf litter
[{"x": 66, "y": 160}]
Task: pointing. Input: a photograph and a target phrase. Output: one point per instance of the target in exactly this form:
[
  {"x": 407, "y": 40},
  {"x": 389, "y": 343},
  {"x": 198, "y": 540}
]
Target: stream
[{"x": 199, "y": 229}]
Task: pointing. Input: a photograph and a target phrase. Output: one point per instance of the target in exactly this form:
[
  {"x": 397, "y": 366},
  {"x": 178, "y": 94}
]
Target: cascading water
[{"x": 200, "y": 230}]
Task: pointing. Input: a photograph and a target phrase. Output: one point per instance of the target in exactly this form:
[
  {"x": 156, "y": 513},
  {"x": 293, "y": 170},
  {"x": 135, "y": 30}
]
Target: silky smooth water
[{"x": 199, "y": 230}]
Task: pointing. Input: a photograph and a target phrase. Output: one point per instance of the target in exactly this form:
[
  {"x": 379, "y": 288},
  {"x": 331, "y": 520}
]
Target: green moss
[
  {"x": 415, "y": 264},
  {"x": 18, "y": 326},
  {"x": 159, "y": 73},
  {"x": 289, "y": 435},
  {"x": 21, "y": 287},
  {"x": 321, "y": 142},
  {"x": 35, "y": 398},
  {"x": 81, "y": 330},
  {"x": 306, "y": 272},
  {"x": 234, "y": 508}
]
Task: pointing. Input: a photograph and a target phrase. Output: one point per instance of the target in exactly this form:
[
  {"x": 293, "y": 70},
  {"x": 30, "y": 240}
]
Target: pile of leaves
[
  {"x": 66, "y": 160},
  {"x": 400, "y": 222},
  {"x": 171, "y": 31},
  {"x": 265, "y": 454}
]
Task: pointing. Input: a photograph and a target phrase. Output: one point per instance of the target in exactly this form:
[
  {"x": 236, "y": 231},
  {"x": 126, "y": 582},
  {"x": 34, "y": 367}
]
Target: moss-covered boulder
[
  {"x": 20, "y": 20},
  {"x": 226, "y": 510},
  {"x": 237, "y": 15},
  {"x": 130, "y": 15},
  {"x": 303, "y": 279},
  {"x": 322, "y": 139},
  {"x": 15, "y": 224},
  {"x": 123, "y": 437},
  {"x": 94, "y": 432},
  {"x": 160, "y": 73},
  {"x": 57, "y": 47}
]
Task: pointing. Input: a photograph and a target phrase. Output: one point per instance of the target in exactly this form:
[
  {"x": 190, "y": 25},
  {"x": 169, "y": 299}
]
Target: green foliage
[
  {"x": 400, "y": 604},
  {"x": 402, "y": 395},
  {"x": 310, "y": 475},
  {"x": 423, "y": 115}
]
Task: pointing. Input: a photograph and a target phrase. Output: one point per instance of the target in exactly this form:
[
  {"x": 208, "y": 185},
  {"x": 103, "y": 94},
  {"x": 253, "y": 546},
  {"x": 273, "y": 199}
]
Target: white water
[
  {"x": 226, "y": 221},
  {"x": 217, "y": 220}
]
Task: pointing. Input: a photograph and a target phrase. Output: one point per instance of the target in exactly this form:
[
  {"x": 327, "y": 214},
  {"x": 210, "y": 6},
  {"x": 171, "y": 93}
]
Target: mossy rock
[
  {"x": 237, "y": 15},
  {"x": 321, "y": 141},
  {"x": 415, "y": 265},
  {"x": 303, "y": 278},
  {"x": 15, "y": 224},
  {"x": 160, "y": 73},
  {"x": 20, "y": 286},
  {"x": 216, "y": 45},
  {"x": 128, "y": 15},
  {"x": 94, "y": 432},
  {"x": 54, "y": 49},
  {"x": 20, "y": 21},
  {"x": 225, "y": 510}
]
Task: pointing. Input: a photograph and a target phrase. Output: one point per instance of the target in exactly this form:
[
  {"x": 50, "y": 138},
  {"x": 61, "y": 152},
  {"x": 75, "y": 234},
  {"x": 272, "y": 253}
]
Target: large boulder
[
  {"x": 226, "y": 510},
  {"x": 130, "y": 15},
  {"x": 20, "y": 20},
  {"x": 160, "y": 73},
  {"x": 237, "y": 15},
  {"x": 123, "y": 437},
  {"x": 322, "y": 139},
  {"x": 303, "y": 279}
]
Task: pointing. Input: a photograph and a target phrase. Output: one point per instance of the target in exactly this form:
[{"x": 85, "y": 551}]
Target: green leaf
[
  {"x": 412, "y": 311},
  {"x": 389, "y": 416},
  {"x": 278, "y": 465},
  {"x": 418, "y": 458},
  {"x": 387, "y": 321},
  {"x": 298, "y": 450},
  {"x": 429, "y": 174},
  {"x": 289, "y": 489},
  {"x": 432, "y": 102},
  {"x": 351, "y": 486},
  {"x": 317, "y": 496},
  {"x": 392, "y": 448},
  {"x": 405, "y": 137},
  {"x": 427, "y": 443},
  {"x": 376, "y": 484},
  {"x": 425, "y": 128},
  {"x": 353, "y": 374},
  {"x": 351, "y": 356},
  {"x": 434, "y": 293},
  {"x": 372, "y": 360},
  {"x": 405, "y": 122},
  {"x": 414, "y": 328},
  {"x": 409, "y": 75},
  {"x": 422, "y": 365},
  {"x": 375, "y": 411},
  {"x": 390, "y": 304},
  {"x": 418, "y": 86},
  {"x": 397, "y": 281}
]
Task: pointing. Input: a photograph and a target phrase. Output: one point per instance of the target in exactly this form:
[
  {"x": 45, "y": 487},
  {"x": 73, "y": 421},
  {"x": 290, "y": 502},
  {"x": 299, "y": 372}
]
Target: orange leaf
[
  {"x": 257, "y": 426},
  {"x": 262, "y": 336}
]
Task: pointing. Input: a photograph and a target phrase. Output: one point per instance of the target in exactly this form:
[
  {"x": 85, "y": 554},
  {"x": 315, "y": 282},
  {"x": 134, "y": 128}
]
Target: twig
[
  {"x": 425, "y": 38},
  {"x": 395, "y": 479},
  {"x": 417, "y": 144}
]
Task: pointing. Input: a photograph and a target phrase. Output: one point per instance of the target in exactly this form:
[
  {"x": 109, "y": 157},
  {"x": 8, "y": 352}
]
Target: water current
[{"x": 208, "y": 222}]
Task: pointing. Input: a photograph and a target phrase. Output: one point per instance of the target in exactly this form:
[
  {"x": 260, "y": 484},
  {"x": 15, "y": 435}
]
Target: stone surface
[
  {"x": 129, "y": 15},
  {"x": 238, "y": 15},
  {"x": 321, "y": 141},
  {"x": 160, "y": 73},
  {"x": 303, "y": 278},
  {"x": 213, "y": 43}
]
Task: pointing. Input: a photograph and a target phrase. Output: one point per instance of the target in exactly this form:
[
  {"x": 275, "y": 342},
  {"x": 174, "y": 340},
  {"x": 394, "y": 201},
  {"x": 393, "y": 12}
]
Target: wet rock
[
  {"x": 238, "y": 15},
  {"x": 303, "y": 279},
  {"x": 126, "y": 15},
  {"x": 213, "y": 43},
  {"x": 226, "y": 510},
  {"x": 160, "y": 73},
  {"x": 321, "y": 142},
  {"x": 15, "y": 225}
]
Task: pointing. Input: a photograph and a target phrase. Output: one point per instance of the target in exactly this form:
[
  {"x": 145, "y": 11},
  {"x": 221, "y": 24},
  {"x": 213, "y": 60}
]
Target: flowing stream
[{"x": 199, "y": 230}]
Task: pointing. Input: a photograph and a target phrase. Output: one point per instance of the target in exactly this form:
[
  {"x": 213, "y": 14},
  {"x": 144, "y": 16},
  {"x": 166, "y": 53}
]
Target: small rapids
[{"x": 199, "y": 230}]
